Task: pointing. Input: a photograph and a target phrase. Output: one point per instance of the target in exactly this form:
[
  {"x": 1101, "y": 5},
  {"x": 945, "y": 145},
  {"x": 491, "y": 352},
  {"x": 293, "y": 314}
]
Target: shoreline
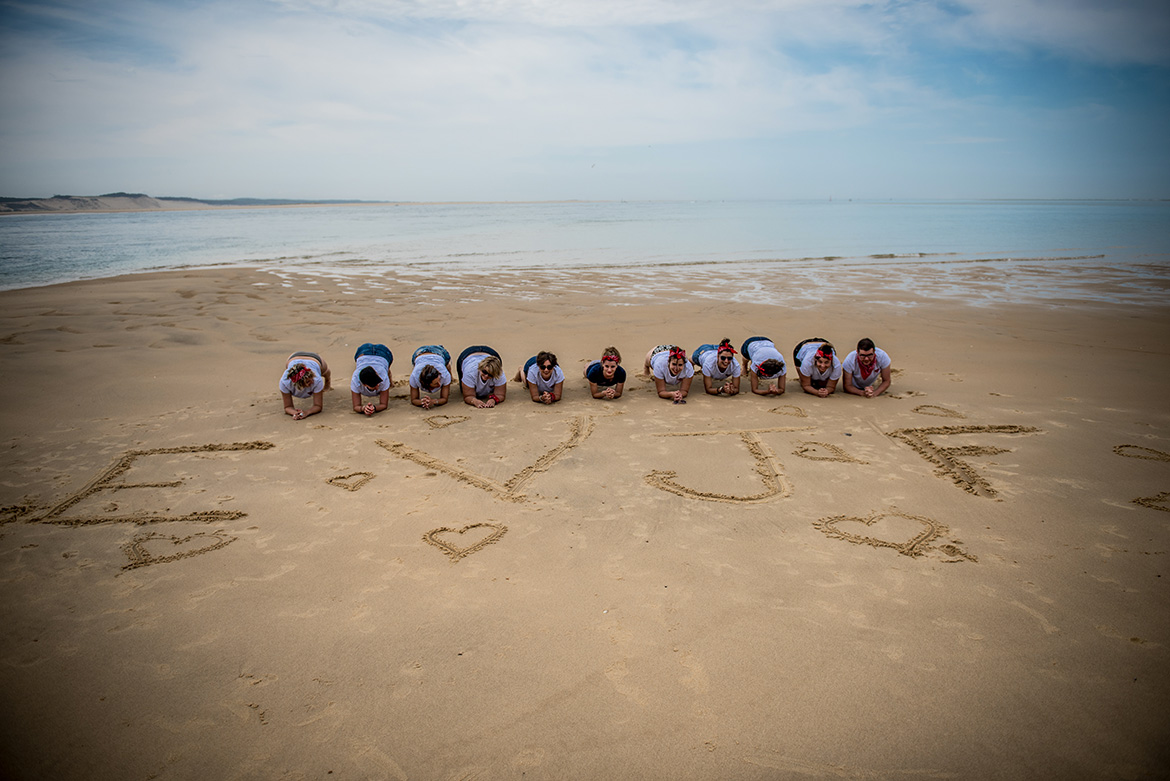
[{"x": 735, "y": 588}]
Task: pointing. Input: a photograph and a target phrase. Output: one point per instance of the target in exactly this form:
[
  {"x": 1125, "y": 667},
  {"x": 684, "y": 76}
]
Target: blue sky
[{"x": 593, "y": 99}]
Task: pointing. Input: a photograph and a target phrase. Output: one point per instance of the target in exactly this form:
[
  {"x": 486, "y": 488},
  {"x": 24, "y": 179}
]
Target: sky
[{"x": 448, "y": 100}]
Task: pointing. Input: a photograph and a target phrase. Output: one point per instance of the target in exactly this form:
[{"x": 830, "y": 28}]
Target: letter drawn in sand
[
  {"x": 349, "y": 483},
  {"x": 923, "y": 531},
  {"x": 454, "y": 552},
  {"x": 766, "y": 466},
  {"x": 138, "y": 549},
  {"x": 579, "y": 430},
  {"x": 104, "y": 483},
  {"x": 1147, "y": 454},
  {"x": 1157, "y": 502},
  {"x": 948, "y": 458}
]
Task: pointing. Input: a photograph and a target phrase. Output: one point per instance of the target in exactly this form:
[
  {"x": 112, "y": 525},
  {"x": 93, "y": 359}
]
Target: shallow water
[{"x": 802, "y": 246}]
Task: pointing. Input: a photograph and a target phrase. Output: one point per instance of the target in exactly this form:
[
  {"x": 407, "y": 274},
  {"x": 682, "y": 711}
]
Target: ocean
[{"x": 730, "y": 238}]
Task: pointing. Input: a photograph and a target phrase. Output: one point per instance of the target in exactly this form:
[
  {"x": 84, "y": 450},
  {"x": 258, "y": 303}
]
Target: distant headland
[{"x": 140, "y": 202}]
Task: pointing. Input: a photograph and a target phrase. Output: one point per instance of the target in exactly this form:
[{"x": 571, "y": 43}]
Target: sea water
[{"x": 718, "y": 237}]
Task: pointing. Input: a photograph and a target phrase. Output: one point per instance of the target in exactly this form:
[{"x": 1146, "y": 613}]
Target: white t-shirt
[
  {"x": 378, "y": 364},
  {"x": 472, "y": 379},
  {"x": 543, "y": 386},
  {"x": 429, "y": 359},
  {"x": 808, "y": 365},
  {"x": 882, "y": 361},
  {"x": 710, "y": 365},
  {"x": 660, "y": 368},
  {"x": 318, "y": 385},
  {"x": 763, "y": 350}
]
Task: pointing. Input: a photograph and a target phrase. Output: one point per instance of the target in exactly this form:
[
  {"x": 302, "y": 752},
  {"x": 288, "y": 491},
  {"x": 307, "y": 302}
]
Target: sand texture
[{"x": 965, "y": 578}]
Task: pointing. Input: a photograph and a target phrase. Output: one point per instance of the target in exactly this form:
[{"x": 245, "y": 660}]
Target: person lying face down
[
  {"x": 430, "y": 378},
  {"x": 305, "y": 374},
  {"x": 719, "y": 368},
  {"x": 371, "y": 378},
  {"x": 767, "y": 372},
  {"x": 543, "y": 378},
  {"x": 481, "y": 377},
  {"x": 866, "y": 370},
  {"x": 817, "y": 367},
  {"x": 606, "y": 377},
  {"x": 672, "y": 373}
]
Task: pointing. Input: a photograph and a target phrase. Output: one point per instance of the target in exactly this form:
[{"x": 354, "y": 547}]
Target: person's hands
[
  {"x": 369, "y": 409},
  {"x": 425, "y": 402},
  {"x": 298, "y": 414}
]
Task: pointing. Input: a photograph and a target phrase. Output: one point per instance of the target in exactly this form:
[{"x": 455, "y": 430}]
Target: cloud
[{"x": 359, "y": 93}]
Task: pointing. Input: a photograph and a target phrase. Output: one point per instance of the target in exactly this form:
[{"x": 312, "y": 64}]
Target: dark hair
[
  {"x": 369, "y": 377},
  {"x": 724, "y": 346},
  {"x": 545, "y": 355},
  {"x": 428, "y": 376},
  {"x": 770, "y": 368},
  {"x": 865, "y": 344}
]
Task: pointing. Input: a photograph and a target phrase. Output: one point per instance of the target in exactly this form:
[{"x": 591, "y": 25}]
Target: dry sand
[{"x": 962, "y": 579}]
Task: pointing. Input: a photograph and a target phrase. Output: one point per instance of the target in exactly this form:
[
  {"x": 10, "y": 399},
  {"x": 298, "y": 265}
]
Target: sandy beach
[{"x": 965, "y": 578}]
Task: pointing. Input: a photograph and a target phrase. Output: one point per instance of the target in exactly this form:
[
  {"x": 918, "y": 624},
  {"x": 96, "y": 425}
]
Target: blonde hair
[{"x": 491, "y": 366}]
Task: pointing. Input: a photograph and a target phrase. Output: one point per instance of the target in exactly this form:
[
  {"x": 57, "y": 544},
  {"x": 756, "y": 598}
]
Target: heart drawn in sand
[
  {"x": 352, "y": 481},
  {"x": 915, "y": 531},
  {"x": 442, "y": 421},
  {"x": 456, "y": 552},
  {"x": 154, "y": 548}
]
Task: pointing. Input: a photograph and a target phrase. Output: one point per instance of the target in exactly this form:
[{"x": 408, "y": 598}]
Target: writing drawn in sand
[
  {"x": 823, "y": 451},
  {"x": 920, "y": 533},
  {"x": 455, "y": 552},
  {"x": 937, "y": 411},
  {"x": 352, "y": 481},
  {"x": 105, "y": 483},
  {"x": 1144, "y": 453},
  {"x": 1157, "y": 502},
  {"x": 766, "y": 466},
  {"x": 442, "y": 421},
  {"x": 579, "y": 430},
  {"x": 154, "y": 548},
  {"x": 789, "y": 409},
  {"x": 950, "y": 460}
]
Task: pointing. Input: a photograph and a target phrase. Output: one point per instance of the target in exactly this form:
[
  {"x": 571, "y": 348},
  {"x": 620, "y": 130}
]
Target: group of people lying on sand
[{"x": 482, "y": 384}]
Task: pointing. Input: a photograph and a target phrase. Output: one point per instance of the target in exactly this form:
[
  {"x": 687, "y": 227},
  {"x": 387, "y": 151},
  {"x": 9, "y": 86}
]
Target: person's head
[
  {"x": 724, "y": 354},
  {"x": 770, "y": 368},
  {"x": 866, "y": 352},
  {"x": 546, "y": 362},
  {"x": 824, "y": 357},
  {"x": 300, "y": 375},
  {"x": 369, "y": 378},
  {"x": 610, "y": 358},
  {"x": 490, "y": 368},
  {"x": 677, "y": 359},
  {"x": 429, "y": 378}
]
